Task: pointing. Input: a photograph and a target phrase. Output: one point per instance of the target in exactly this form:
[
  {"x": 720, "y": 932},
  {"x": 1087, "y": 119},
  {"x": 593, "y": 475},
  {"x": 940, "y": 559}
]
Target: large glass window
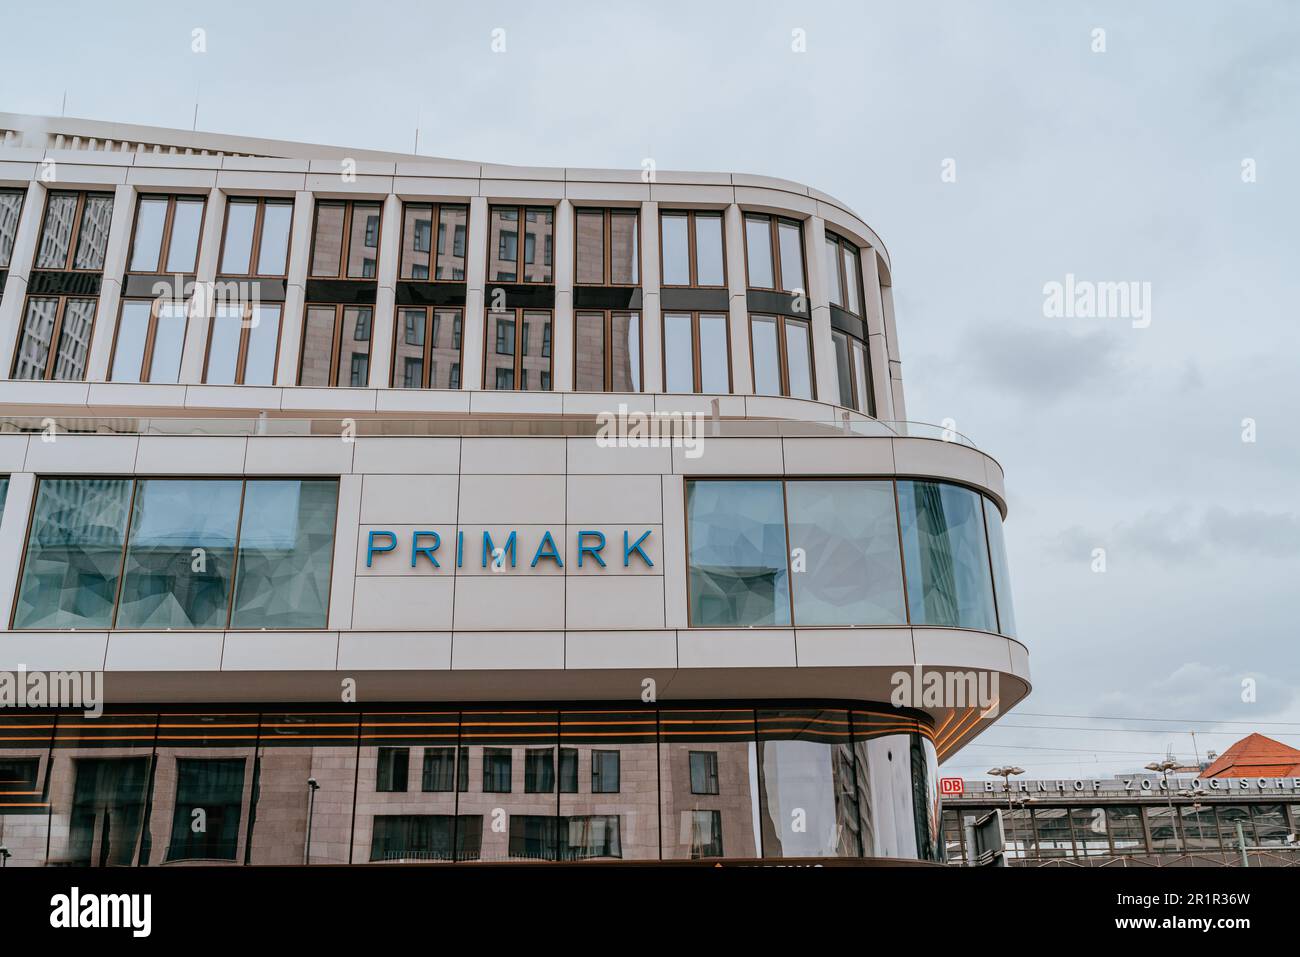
[
  {"x": 345, "y": 239},
  {"x": 844, "y": 536},
  {"x": 782, "y": 356},
  {"x": 54, "y": 341},
  {"x": 427, "y": 348},
  {"x": 11, "y": 210},
  {"x": 515, "y": 259},
  {"x": 256, "y": 240},
  {"x": 336, "y": 346},
  {"x": 606, "y": 247},
  {"x": 774, "y": 253},
  {"x": 243, "y": 344},
  {"x": 430, "y": 251},
  {"x": 853, "y": 372},
  {"x": 1001, "y": 570},
  {"x": 697, "y": 353},
  {"x": 150, "y": 337},
  {"x": 843, "y": 274},
  {"x": 738, "y": 571},
  {"x": 692, "y": 248},
  {"x": 427, "y": 837},
  {"x": 518, "y": 354},
  {"x": 209, "y": 801},
  {"x": 607, "y": 351},
  {"x": 74, "y": 234},
  {"x": 945, "y": 554},
  {"x": 166, "y": 235},
  {"x": 186, "y": 542}
]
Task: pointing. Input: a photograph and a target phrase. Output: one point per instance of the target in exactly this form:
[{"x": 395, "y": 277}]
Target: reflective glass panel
[
  {"x": 317, "y": 346},
  {"x": 183, "y": 248},
  {"x": 11, "y": 207},
  {"x": 789, "y": 238},
  {"x": 625, "y": 352},
  {"x": 589, "y": 367},
  {"x": 56, "y": 233},
  {"x": 263, "y": 344},
  {"x": 590, "y": 227},
  {"x": 708, "y": 250},
  {"x": 1001, "y": 573},
  {"x": 327, "y": 239},
  {"x": 843, "y": 368},
  {"x": 74, "y": 339},
  {"x": 715, "y": 372},
  {"x": 363, "y": 247},
  {"x": 354, "y": 351},
  {"x": 676, "y": 251},
  {"x": 624, "y": 254},
  {"x": 168, "y": 341},
  {"x": 798, "y": 359},
  {"x": 758, "y": 249},
  {"x": 241, "y": 217},
  {"x": 737, "y": 571},
  {"x": 132, "y": 331},
  {"x": 679, "y": 353},
  {"x": 273, "y": 250},
  {"x": 223, "y": 347},
  {"x": 34, "y": 346},
  {"x": 149, "y": 222},
  {"x": 809, "y": 796},
  {"x": 767, "y": 363},
  {"x": 453, "y": 221},
  {"x": 945, "y": 556},
  {"x": 92, "y": 242}
]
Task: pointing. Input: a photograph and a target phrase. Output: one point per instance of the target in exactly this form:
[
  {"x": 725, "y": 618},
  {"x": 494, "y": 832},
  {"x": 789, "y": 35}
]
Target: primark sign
[
  {"x": 1140, "y": 785},
  {"x": 536, "y": 548}
]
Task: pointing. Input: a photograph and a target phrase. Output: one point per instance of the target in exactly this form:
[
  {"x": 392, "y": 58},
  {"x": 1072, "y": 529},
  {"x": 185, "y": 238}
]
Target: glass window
[
  {"x": 715, "y": 366},
  {"x": 62, "y": 320},
  {"x": 354, "y": 348},
  {"x": 442, "y": 772},
  {"x": 1126, "y": 832},
  {"x": 738, "y": 572},
  {"x": 421, "y": 258},
  {"x": 692, "y": 249},
  {"x": 616, "y": 369},
  {"x": 624, "y": 248},
  {"x": 1270, "y": 825},
  {"x": 348, "y": 326},
  {"x": 75, "y": 232},
  {"x": 345, "y": 240},
  {"x": 180, "y": 554},
  {"x": 168, "y": 341},
  {"x": 1001, "y": 573},
  {"x": 568, "y": 770},
  {"x": 505, "y": 250},
  {"x": 675, "y": 229},
  {"x": 453, "y": 222},
  {"x": 704, "y": 772},
  {"x": 318, "y": 346},
  {"x": 237, "y": 245},
  {"x": 243, "y": 351},
  {"x": 539, "y": 770},
  {"x": 74, "y": 554},
  {"x": 767, "y": 358},
  {"x": 604, "y": 772},
  {"x": 790, "y": 245},
  {"x": 150, "y": 221},
  {"x": 286, "y": 549},
  {"x": 262, "y": 345},
  {"x": 11, "y": 208},
  {"x": 782, "y": 359},
  {"x": 56, "y": 231},
  {"x": 132, "y": 335},
  {"x": 845, "y": 534},
  {"x": 518, "y": 355},
  {"x": 843, "y": 369},
  {"x": 327, "y": 239},
  {"x": 617, "y": 745},
  {"x": 606, "y": 247},
  {"x": 496, "y": 770},
  {"x": 798, "y": 359},
  {"x": 679, "y": 352},
  {"x": 861, "y": 378},
  {"x": 695, "y": 822},
  {"x": 214, "y": 787},
  {"x": 427, "y": 837},
  {"x": 946, "y": 556},
  {"x": 393, "y": 769},
  {"x": 257, "y": 231},
  {"x": 834, "y": 281},
  {"x": 417, "y": 240},
  {"x": 273, "y": 245},
  {"x": 758, "y": 251},
  {"x": 589, "y": 226},
  {"x": 843, "y": 273},
  {"x": 183, "y": 243},
  {"x": 708, "y": 250},
  {"x": 92, "y": 237}
]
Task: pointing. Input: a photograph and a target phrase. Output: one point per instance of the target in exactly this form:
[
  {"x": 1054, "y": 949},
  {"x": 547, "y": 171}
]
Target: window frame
[
  {"x": 607, "y": 318},
  {"x": 165, "y": 240},
  {"x": 151, "y": 333},
  {"x": 782, "y": 356},
  {"x": 774, "y": 222},
  {"x": 521, "y": 212},
  {"x": 436, "y": 207},
  {"x": 696, "y": 361},
  {"x": 430, "y": 312},
  {"x": 245, "y": 337},
  {"x": 336, "y": 344},
  {"x": 345, "y": 246},
  {"x": 867, "y": 377},
  {"x": 607, "y": 244},
  {"x": 255, "y": 243},
  {"x": 74, "y": 238},
  {"x": 7, "y": 264},
  {"x": 489, "y": 345},
  {"x": 691, "y": 254},
  {"x": 52, "y": 358},
  {"x": 842, "y": 243}
]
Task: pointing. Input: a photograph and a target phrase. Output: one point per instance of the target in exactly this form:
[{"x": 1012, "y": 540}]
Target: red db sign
[{"x": 951, "y": 786}]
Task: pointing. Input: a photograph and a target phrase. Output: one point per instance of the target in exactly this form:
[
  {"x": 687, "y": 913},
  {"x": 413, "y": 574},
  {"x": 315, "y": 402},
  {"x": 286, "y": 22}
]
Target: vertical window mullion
[
  {"x": 336, "y": 347},
  {"x": 51, "y": 359},
  {"x": 690, "y": 252},
  {"x": 165, "y": 240},
  {"x": 75, "y": 237},
  {"x": 234, "y": 562},
  {"x": 430, "y": 313},
  {"x": 126, "y": 547},
  {"x": 150, "y": 333},
  {"x": 245, "y": 337},
  {"x": 255, "y": 242}
]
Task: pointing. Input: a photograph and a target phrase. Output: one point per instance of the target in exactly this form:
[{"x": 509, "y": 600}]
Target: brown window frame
[
  {"x": 345, "y": 247},
  {"x": 521, "y": 210},
  {"x": 774, "y": 250},
  {"x": 74, "y": 239},
  {"x": 7, "y": 263},
  {"x": 692, "y": 258},
  {"x": 607, "y": 265},
  {"x": 336, "y": 345},
  {"x": 255, "y": 244},
  {"x": 697, "y": 373},
  {"x": 843, "y": 244},
  {"x": 518, "y": 314},
  {"x": 51, "y": 360},
  {"x": 436, "y": 212},
  {"x": 607, "y": 317},
  {"x": 245, "y": 336},
  {"x": 782, "y": 356},
  {"x": 849, "y": 340},
  {"x": 165, "y": 241},
  {"x": 429, "y": 313},
  {"x": 151, "y": 332}
]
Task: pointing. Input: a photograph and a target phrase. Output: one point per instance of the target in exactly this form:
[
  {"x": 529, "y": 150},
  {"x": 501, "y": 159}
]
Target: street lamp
[
  {"x": 1164, "y": 767},
  {"x": 312, "y": 788},
  {"x": 4, "y": 855},
  {"x": 1006, "y": 772}
]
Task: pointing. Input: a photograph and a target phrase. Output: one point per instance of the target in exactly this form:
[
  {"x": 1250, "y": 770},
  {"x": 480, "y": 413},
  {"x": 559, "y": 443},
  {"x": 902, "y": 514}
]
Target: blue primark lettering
[
  {"x": 460, "y": 549},
  {"x": 426, "y": 550},
  {"x": 592, "y": 550},
  {"x": 636, "y": 547},
  {"x": 371, "y": 548},
  {"x": 489, "y": 549},
  {"x": 553, "y": 554}
]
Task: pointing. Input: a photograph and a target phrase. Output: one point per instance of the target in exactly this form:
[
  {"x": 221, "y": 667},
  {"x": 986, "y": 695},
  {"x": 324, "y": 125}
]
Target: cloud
[{"x": 1045, "y": 365}]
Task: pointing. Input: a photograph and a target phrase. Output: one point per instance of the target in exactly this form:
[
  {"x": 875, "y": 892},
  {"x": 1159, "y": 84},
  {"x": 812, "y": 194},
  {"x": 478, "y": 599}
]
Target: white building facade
[{"x": 426, "y": 510}]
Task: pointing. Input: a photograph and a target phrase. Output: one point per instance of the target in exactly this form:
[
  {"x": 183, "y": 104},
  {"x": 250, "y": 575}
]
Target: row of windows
[
  {"x": 346, "y": 233},
  {"x": 1054, "y": 832},
  {"x": 164, "y": 554},
  {"x": 845, "y": 552},
  {"x": 332, "y": 785}
]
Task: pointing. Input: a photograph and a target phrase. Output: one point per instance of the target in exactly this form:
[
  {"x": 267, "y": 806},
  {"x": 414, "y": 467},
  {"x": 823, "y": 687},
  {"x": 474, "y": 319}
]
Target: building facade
[{"x": 425, "y": 510}]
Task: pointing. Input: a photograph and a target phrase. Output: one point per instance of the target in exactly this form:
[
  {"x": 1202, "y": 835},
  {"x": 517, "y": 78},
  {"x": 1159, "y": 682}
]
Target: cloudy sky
[{"x": 1122, "y": 165}]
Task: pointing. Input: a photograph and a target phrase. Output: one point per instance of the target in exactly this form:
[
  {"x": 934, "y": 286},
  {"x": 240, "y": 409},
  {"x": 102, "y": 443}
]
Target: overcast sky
[{"x": 1123, "y": 165}]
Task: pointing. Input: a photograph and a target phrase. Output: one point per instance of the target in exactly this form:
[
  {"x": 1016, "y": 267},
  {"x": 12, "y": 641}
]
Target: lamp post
[
  {"x": 312, "y": 788},
  {"x": 1006, "y": 772},
  {"x": 4, "y": 855},
  {"x": 1164, "y": 767}
]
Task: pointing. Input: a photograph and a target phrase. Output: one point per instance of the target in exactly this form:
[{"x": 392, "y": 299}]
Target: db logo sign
[{"x": 951, "y": 785}]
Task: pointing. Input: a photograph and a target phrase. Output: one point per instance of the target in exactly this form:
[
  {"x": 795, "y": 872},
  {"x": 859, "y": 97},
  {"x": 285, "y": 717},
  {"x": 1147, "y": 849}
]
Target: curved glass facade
[
  {"x": 431, "y": 783},
  {"x": 835, "y": 552}
]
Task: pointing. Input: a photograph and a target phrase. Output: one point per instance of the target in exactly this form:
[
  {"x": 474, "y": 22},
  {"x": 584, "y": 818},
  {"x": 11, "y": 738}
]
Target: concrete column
[
  {"x": 199, "y": 311},
  {"x": 877, "y": 341},
  {"x": 295, "y": 290},
  {"x": 565, "y": 269},
  {"x": 110, "y": 293},
  {"x": 381, "y": 333},
  {"x": 13, "y": 534},
  {"x": 819, "y": 298},
  {"x": 895, "y": 360},
  {"x": 20, "y": 268},
  {"x": 742, "y": 376},
  {"x": 471, "y": 372},
  {"x": 652, "y": 341}
]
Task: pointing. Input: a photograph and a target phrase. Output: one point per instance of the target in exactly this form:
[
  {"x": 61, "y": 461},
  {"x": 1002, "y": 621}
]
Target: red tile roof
[{"x": 1255, "y": 756}]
